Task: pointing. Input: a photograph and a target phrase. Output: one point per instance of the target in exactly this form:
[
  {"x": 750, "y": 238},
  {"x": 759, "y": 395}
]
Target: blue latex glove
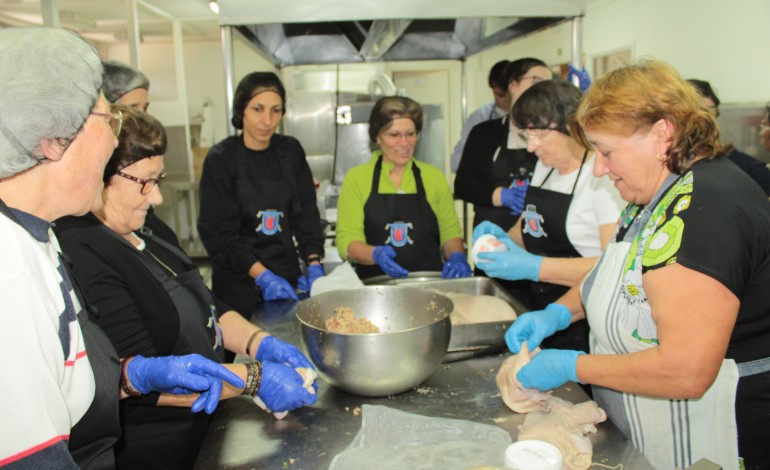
[
  {"x": 456, "y": 266},
  {"x": 533, "y": 327},
  {"x": 182, "y": 375},
  {"x": 513, "y": 198},
  {"x": 275, "y": 287},
  {"x": 581, "y": 76},
  {"x": 384, "y": 256},
  {"x": 550, "y": 368},
  {"x": 282, "y": 388},
  {"x": 274, "y": 350},
  {"x": 314, "y": 271},
  {"x": 513, "y": 265},
  {"x": 488, "y": 228}
]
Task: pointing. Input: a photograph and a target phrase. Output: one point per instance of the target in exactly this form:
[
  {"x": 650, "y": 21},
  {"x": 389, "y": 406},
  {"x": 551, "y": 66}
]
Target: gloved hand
[
  {"x": 282, "y": 388},
  {"x": 274, "y": 287},
  {"x": 314, "y": 271},
  {"x": 274, "y": 350},
  {"x": 384, "y": 256},
  {"x": 456, "y": 266},
  {"x": 581, "y": 76},
  {"x": 488, "y": 228},
  {"x": 513, "y": 265},
  {"x": 550, "y": 368},
  {"x": 533, "y": 327},
  {"x": 182, "y": 375},
  {"x": 513, "y": 198}
]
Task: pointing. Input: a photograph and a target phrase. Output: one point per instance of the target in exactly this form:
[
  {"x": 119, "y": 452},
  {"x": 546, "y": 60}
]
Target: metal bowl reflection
[{"x": 414, "y": 335}]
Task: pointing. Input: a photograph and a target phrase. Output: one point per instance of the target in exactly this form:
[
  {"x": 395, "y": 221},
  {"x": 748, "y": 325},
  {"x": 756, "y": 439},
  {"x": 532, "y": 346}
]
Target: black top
[
  {"x": 756, "y": 169},
  {"x": 254, "y": 204}
]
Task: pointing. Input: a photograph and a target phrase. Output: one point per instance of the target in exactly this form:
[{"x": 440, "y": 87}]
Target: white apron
[{"x": 670, "y": 433}]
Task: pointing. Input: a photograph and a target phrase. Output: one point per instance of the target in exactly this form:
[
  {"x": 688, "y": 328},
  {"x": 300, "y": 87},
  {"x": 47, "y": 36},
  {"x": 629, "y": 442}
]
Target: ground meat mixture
[{"x": 344, "y": 321}]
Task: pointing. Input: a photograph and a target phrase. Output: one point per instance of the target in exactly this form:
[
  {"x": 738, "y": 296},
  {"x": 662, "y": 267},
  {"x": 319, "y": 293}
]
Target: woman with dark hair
[
  {"x": 678, "y": 302},
  {"x": 151, "y": 300},
  {"x": 569, "y": 215},
  {"x": 257, "y": 197},
  {"x": 496, "y": 166},
  {"x": 396, "y": 214}
]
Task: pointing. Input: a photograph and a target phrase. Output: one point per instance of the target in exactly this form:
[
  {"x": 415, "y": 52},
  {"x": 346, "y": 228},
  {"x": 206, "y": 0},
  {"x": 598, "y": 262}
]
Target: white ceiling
[{"x": 106, "y": 21}]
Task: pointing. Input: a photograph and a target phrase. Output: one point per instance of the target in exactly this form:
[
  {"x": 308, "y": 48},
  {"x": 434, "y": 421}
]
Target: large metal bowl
[{"x": 414, "y": 335}]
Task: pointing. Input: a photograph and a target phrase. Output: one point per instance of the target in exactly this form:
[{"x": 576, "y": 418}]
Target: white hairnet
[
  {"x": 119, "y": 79},
  {"x": 49, "y": 81}
]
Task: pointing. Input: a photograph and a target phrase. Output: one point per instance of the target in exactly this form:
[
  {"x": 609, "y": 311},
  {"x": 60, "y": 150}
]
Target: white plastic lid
[{"x": 533, "y": 455}]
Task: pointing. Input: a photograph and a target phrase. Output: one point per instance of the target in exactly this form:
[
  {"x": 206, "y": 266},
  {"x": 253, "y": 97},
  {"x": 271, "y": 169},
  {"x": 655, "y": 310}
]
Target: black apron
[
  {"x": 544, "y": 232},
  {"x": 93, "y": 437},
  {"x": 265, "y": 208},
  {"x": 404, "y": 221},
  {"x": 169, "y": 437},
  {"x": 509, "y": 167}
]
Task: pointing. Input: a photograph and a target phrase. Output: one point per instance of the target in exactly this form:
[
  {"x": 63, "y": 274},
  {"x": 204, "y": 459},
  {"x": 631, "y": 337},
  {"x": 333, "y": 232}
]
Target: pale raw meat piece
[
  {"x": 308, "y": 377},
  {"x": 514, "y": 395},
  {"x": 479, "y": 309},
  {"x": 565, "y": 426}
]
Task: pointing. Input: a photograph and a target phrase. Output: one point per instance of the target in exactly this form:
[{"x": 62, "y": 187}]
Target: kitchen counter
[{"x": 242, "y": 436}]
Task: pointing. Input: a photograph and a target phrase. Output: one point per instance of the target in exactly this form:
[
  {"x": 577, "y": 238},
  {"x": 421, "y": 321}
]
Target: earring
[{"x": 660, "y": 158}]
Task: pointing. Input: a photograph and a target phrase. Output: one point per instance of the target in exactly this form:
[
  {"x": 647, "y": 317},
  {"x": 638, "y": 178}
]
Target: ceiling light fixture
[{"x": 214, "y": 6}]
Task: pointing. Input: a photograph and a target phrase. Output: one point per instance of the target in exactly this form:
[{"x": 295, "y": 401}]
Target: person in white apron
[
  {"x": 570, "y": 215},
  {"x": 678, "y": 303}
]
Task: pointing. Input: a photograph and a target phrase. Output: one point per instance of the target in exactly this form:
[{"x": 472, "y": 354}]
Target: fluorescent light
[{"x": 214, "y": 6}]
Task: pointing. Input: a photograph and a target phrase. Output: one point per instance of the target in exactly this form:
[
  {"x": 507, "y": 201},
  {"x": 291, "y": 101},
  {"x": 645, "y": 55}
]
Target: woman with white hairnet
[
  {"x": 125, "y": 85},
  {"x": 61, "y": 377}
]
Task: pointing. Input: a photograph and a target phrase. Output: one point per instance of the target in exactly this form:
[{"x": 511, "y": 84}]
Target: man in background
[{"x": 492, "y": 110}]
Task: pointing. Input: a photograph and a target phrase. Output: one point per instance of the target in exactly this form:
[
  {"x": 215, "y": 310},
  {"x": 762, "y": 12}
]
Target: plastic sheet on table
[{"x": 393, "y": 440}]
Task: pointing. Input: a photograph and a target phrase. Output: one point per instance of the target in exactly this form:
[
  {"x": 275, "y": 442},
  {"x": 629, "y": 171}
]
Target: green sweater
[{"x": 357, "y": 186}]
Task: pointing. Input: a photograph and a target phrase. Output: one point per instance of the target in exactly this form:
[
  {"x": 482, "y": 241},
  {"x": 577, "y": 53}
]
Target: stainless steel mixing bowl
[{"x": 414, "y": 335}]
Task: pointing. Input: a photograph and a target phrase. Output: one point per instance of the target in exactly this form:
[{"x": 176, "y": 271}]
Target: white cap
[{"x": 533, "y": 455}]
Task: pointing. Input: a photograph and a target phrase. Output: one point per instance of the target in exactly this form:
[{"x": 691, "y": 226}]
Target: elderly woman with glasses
[
  {"x": 151, "y": 300},
  {"x": 396, "y": 214},
  {"x": 569, "y": 215}
]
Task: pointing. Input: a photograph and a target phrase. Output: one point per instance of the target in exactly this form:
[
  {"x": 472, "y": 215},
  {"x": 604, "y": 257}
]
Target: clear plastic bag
[{"x": 393, "y": 440}]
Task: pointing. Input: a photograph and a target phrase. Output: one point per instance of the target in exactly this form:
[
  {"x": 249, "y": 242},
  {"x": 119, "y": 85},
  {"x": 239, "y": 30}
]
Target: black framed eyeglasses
[
  {"x": 115, "y": 120},
  {"x": 147, "y": 185}
]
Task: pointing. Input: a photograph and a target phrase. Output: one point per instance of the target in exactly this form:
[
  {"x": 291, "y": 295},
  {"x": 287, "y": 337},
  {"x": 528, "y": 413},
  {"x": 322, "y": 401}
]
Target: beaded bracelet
[
  {"x": 253, "y": 378},
  {"x": 125, "y": 385}
]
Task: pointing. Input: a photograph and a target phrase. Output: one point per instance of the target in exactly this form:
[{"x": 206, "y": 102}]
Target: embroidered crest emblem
[
  {"x": 533, "y": 222},
  {"x": 270, "y": 222},
  {"x": 213, "y": 323},
  {"x": 399, "y": 233}
]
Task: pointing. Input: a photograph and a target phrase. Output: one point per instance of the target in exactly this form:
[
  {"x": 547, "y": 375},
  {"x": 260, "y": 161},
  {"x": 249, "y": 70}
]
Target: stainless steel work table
[{"x": 242, "y": 436}]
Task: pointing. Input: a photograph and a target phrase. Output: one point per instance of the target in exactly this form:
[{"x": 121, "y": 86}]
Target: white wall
[{"x": 722, "y": 41}]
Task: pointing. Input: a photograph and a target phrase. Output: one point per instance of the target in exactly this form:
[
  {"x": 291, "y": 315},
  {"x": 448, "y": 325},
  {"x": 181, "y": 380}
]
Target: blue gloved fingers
[
  {"x": 456, "y": 266},
  {"x": 176, "y": 374},
  {"x": 488, "y": 228},
  {"x": 550, "y": 368},
  {"x": 274, "y": 350},
  {"x": 274, "y": 287},
  {"x": 209, "y": 399},
  {"x": 513, "y": 198},
  {"x": 303, "y": 284},
  {"x": 533, "y": 327},
  {"x": 384, "y": 256},
  {"x": 314, "y": 271},
  {"x": 282, "y": 388},
  {"x": 513, "y": 265}
]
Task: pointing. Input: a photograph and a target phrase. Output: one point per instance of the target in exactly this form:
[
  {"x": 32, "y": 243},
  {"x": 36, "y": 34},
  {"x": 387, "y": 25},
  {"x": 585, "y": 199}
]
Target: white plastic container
[
  {"x": 486, "y": 243},
  {"x": 533, "y": 455}
]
